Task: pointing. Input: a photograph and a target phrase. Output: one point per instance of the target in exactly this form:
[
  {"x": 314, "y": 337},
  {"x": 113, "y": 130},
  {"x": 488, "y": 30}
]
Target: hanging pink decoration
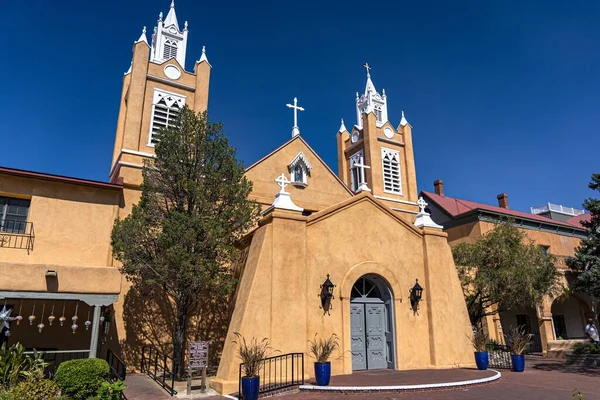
[
  {"x": 32, "y": 316},
  {"x": 51, "y": 317},
  {"x": 74, "y": 327},
  {"x": 41, "y": 326},
  {"x": 88, "y": 323},
  {"x": 62, "y": 319},
  {"x": 19, "y": 317}
]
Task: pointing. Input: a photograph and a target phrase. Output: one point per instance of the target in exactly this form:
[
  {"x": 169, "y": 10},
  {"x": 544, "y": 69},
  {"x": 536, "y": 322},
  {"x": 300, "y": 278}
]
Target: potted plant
[
  {"x": 480, "y": 343},
  {"x": 252, "y": 353},
  {"x": 519, "y": 341},
  {"x": 321, "y": 349}
]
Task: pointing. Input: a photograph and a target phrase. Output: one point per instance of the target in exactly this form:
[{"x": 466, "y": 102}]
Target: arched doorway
[{"x": 372, "y": 324}]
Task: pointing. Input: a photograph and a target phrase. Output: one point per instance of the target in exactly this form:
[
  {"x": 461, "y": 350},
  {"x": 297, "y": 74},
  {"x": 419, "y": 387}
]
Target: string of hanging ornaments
[{"x": 5, "y": 317}]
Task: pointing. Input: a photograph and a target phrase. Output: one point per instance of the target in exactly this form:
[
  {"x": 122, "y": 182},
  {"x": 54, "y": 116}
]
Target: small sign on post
[{"x": 198, "y": 359}]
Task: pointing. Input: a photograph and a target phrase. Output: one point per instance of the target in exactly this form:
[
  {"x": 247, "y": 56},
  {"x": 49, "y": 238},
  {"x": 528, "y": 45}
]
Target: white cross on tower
[
  {"x": 282, "y": 181},
  {"x": 368, "y": 68},
  {"x": 363, "y": 182},
  {"x": 422, "y": 204},
  {"x": 295, "y": 130}
]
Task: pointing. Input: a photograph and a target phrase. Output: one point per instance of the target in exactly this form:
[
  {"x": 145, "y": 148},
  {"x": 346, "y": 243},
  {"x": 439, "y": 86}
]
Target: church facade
[{"x": 362, "y": 232}]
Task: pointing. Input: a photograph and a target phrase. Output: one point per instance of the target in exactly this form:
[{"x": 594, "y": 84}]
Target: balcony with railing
[
  {"x": 17, "y": 235},
  {"x": 548, "y": 207}
]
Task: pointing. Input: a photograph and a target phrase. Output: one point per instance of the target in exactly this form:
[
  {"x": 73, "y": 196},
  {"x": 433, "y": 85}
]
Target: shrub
[
  {"x": 518, "y": 339},
  {"x": 586, "y": 348},
  {"x": 80, "y": 379},
  {"x": 321, "y": 348},
  {"x": 36, "y": 389},
  {"x": 110, "y": 391},
  {"x": 16, "y": 366}
]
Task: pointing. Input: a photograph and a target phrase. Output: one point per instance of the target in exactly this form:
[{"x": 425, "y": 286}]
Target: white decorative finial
[
  {"x": 383, "y": 92},
  {"x": 172, "y": 3},
  {"x": 282, "y": 198},
  {"x": 143, "y": 36},
  {"x": 296, "y": 108},
  {"x": 356, "y": 96},
  {"x": 368, "y": 68},
  {"x": 144, "y": 30},
  {"x": 423, "y": 217},
  {"x": 203, "y": 56},
  {"x": 282, "y": 181},
  {"x": 403, "y": 121},
  {"x": 204, "y": 51},
  {"x": 343, "y": 127},
  {"x": 185, "y": 26},
  {"x": 160, "y": 16},
  {"x": 362, "y": 187},
  {"x": 422, "y": 204}
]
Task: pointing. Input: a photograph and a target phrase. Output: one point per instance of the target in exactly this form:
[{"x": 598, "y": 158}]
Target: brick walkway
[{"x": 543, "y": 379}]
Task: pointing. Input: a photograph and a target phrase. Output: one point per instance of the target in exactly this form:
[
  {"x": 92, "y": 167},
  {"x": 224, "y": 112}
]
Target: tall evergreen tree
[
  {"x": 194, "y": 207},
  {"x": 587, "y": 255}
]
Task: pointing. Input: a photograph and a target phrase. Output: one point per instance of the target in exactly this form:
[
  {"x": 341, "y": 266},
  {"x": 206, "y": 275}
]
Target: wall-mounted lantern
[
  {"x": 326, "y": 294},
  {"x": 415, "y": 297}
]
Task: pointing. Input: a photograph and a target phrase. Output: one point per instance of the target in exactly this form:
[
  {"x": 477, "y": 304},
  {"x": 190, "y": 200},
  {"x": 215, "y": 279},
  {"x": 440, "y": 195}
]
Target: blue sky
[{"x": 503, "y": 96}]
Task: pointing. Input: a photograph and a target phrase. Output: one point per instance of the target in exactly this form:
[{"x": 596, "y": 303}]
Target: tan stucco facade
[{"x": 289, "y": 257}]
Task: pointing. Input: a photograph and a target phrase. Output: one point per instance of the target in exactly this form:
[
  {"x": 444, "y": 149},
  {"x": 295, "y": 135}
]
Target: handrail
[
  {"x": 163, "y": 375},
  {"x": 118, "y": 369},
  {"x": 277, "y": 373}
]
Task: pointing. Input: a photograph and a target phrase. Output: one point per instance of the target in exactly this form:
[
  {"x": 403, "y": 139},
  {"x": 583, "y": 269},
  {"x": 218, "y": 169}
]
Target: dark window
[
  {"x": 298, "y": 174},
  {"x": 13, "y": 214},
  {"x": 560, "y": 328},
  {"x": 524, "y": 320}
]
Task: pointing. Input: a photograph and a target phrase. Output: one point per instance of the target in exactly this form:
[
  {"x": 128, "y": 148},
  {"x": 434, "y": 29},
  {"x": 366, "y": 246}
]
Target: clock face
[
  {"x": 355, "y": 137},
  {"x": 388, "y": 132}
]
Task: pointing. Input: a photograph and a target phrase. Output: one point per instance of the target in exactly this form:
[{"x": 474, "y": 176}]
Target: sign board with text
[{"x": 198, "y": 354}]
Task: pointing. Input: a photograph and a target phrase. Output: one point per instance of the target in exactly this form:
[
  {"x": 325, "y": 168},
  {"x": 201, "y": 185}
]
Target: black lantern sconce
[
  {"x": 415, "y": 297},
  {"x": 326, "y": 294}
]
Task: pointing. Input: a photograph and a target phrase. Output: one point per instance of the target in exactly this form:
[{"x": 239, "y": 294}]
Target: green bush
[
  {"x": 16, "y": 366},
  {"x": 586, "y": 348},
  {"x": 80, "y": 379},
  {"x": 36, "y": 389},
  {"x": 110, "y": 391}
]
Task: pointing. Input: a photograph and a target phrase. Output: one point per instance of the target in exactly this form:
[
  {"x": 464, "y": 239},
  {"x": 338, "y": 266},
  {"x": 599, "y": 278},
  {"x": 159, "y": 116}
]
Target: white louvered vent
[{"x": 391, "y": 171}]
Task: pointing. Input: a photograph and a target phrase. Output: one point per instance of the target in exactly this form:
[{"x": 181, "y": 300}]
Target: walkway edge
[{"x": 403, "y": 387}]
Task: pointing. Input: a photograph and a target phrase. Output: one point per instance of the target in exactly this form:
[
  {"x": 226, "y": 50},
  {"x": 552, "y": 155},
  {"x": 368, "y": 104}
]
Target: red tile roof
[
  {"x": 578, "y": 219},
  {"x": 455, "y": 207},
  {"x": 60, "y": 178}
]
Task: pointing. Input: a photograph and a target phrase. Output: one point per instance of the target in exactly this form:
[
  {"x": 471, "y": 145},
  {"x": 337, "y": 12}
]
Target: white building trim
[
  {"x": 88, "y": 298},
  {"x": 412, "y": 203}
]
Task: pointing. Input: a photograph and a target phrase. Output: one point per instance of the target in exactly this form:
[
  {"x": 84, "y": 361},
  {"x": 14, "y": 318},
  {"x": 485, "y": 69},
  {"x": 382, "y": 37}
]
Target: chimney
[
  {"x": 502, "y": 200},
  {"x": 439, "y": 187}
]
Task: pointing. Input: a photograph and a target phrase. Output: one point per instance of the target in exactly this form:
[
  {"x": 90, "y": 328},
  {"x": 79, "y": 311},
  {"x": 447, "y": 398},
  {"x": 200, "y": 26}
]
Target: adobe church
[
  {"x": 362, "y": 230},
  {"x": 333, "y": 253}
]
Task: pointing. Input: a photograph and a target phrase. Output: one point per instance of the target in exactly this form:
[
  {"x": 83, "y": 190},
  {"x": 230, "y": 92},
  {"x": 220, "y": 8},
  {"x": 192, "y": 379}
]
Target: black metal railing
[
  {"x": 17, "y": 235},
  {"x": 159, "y": 367},
  {"x": 535, "y": 346},
  {"x": 118, "y": 369},
  {"x": 55, "y": 357},
  {"x": 499, "y": 357},
  {"x": 279, "y": 372}
]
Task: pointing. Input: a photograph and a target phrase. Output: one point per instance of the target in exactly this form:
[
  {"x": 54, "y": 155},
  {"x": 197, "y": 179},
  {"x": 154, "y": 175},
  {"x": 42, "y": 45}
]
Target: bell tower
[
  {"x": 374, "y": 156},
  {"x": 155, "y": 88}
]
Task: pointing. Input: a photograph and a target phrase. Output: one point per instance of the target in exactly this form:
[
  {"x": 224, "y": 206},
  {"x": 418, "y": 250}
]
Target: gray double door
[{"x": 370, "y": 347}]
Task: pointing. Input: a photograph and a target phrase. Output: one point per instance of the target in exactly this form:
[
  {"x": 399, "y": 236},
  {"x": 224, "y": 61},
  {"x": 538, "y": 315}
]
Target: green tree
[
  {"x": 194, "y": 207},
  {"x": 587, "y": 255},
  {"x": 504, "y": 268}
]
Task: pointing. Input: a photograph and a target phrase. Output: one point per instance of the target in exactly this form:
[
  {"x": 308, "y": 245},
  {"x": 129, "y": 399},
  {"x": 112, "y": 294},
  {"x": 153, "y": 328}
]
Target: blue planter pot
[
  {"x": 323, "y": 373},
  {"x": 250, "y": 386},
  {"x": 482, "y": 360},
  {"x": 518, "y": 362}
]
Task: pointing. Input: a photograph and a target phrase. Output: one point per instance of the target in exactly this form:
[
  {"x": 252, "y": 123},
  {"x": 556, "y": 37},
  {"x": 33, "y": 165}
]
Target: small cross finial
[
  {"x": 282, "y": 181},
  {"x": 296, "y": 108},
  {"x": 368, "y": 68},
  {"x": 422, "y": 204}
]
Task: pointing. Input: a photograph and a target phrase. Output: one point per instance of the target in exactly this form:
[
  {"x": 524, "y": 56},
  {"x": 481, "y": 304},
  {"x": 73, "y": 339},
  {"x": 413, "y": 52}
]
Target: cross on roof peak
[
  {"x": 368, "y": 68},
  {"x": 282, "y": 181}
]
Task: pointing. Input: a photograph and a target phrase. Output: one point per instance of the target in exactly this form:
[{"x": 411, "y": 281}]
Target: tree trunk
[{"x": 179, "y": 340}]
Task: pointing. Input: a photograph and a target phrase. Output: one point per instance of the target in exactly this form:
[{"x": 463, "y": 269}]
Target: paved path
[{"x": 543, "y": 379}]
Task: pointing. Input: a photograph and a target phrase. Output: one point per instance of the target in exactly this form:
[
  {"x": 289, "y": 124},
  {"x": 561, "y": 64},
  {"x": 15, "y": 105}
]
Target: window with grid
[
  {"x": 170, "y": 49},
  {"x": 162, "y": 117},
  {"x": 13, "y": 214},
  {"x": 378, "y": 114},
  {"x": 391, "y": 171}
]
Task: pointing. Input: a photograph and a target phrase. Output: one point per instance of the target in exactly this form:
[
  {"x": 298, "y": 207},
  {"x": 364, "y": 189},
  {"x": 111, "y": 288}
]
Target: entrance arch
[{"x": 372, "y": 324}]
